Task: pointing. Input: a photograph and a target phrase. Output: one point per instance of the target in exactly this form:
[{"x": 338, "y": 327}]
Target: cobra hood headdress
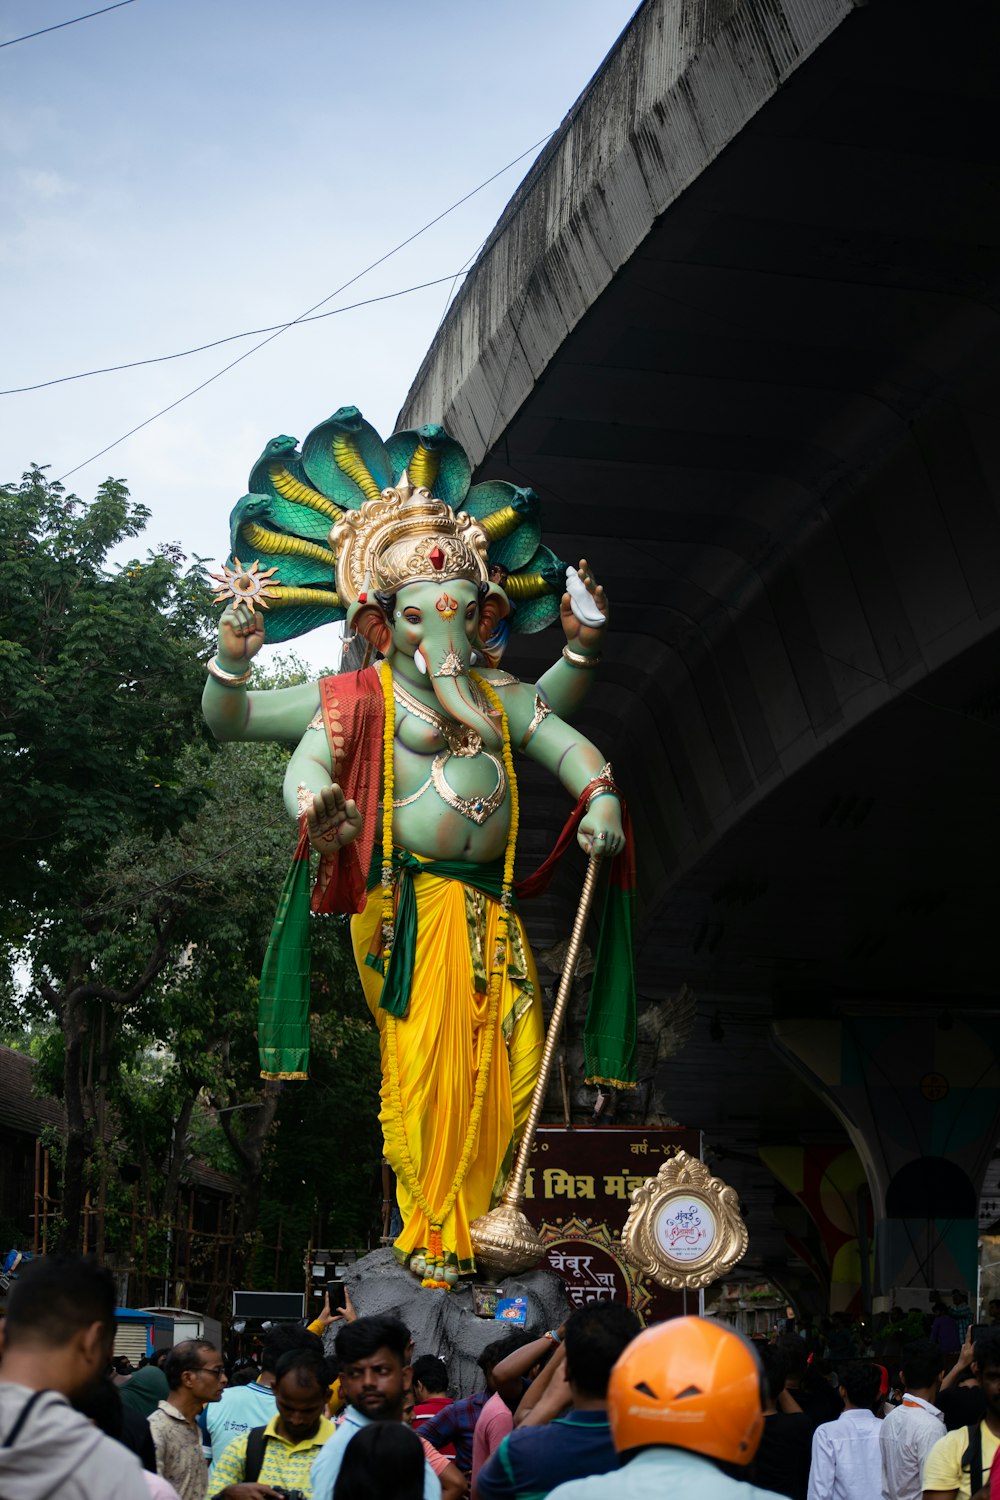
[{"x": 348, "y": 507}]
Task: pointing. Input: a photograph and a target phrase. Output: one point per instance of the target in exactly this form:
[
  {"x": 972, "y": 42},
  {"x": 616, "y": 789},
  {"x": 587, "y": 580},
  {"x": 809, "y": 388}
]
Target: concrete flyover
[{"x": 739, "y": 329}]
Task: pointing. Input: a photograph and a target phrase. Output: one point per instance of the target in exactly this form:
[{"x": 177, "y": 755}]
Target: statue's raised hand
[
  {"x": 241, "y": 634},
  {"x": 585, "y": 635},
  {"x": 332, "y": 821},
  {"x": 600, "y": 829}
]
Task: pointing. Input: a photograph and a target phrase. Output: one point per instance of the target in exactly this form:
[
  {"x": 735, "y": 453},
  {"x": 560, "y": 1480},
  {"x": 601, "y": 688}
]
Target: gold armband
[
  {"x": 577, "y": 659},
  {"x": 228, "y": 679}
]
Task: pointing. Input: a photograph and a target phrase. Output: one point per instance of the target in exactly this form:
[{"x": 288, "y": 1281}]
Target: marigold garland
[
  {"x": 435, "y": 1219},
  {"x": 388, "y": 736}
]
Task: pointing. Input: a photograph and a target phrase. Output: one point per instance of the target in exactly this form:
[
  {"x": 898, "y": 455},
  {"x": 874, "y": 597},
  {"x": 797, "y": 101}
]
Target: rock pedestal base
[{"x": 444, "y": 1323}]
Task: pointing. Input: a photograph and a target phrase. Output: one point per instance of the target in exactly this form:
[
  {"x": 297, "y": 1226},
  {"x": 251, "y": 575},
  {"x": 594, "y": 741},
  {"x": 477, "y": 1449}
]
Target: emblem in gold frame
[{"x": 684, "y": 1228}]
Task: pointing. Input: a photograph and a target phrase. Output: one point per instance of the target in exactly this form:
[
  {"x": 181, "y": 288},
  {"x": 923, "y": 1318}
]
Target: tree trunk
[
  {"x": 175, "y": 1164},
  {"x": 76, "y": 1153},
  {"x": 249, "y": 1150}
]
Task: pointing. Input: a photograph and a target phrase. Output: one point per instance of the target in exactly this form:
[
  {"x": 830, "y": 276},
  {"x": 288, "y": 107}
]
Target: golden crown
[{"x": 406, "y": 536}]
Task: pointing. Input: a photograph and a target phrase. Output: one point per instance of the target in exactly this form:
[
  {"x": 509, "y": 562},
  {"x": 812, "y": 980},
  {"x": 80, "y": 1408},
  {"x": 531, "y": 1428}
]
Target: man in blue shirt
[
  {"x": 554, "y": 1445},
  {"x": 244, "y": 1407},
  {"x": 374, "y": 1375}
]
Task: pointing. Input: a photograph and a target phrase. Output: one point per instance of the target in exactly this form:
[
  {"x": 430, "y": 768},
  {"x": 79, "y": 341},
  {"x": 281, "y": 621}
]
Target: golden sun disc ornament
[
  {"x": 684, "y": 1228},
  {"x": 245, "y": 585}
]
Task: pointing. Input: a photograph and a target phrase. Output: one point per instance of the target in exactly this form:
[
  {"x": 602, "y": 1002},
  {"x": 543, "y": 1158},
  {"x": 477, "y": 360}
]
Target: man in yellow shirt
[
  {"x": 281, "y": 1453},
  {"x": 958, "y": 1466}
]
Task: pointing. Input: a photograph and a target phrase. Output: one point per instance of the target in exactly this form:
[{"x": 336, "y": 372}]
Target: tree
[
  {"x": 142, "y": 861},
  {"x": 99, "y": 679}
]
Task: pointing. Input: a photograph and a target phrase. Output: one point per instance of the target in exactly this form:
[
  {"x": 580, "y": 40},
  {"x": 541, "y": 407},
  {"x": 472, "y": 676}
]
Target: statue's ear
[
  {"x": 369, "y": 620},
  {"x": 494, "y": 606}
]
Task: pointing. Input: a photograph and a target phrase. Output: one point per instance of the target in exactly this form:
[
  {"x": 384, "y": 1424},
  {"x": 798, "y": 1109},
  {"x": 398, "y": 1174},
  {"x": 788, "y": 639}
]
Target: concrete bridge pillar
[{"x": 920, "y": 1098}]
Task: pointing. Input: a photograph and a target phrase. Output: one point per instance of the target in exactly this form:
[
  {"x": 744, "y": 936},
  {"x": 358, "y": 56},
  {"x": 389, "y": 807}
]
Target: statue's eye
[
  {"x": 470, "y": 612},
  {"x": 411, "y": 616}
]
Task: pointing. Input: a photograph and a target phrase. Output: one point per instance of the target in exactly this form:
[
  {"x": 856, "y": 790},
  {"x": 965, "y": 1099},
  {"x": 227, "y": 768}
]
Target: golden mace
[{"x": 503, "y": 1239}]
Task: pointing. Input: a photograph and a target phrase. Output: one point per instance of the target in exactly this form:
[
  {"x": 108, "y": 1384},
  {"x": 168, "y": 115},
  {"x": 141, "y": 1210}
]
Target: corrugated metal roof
[{"x": 20, "y": 1107}]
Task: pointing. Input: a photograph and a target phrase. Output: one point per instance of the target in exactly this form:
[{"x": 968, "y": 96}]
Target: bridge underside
[{"x": 774, "y": 435}]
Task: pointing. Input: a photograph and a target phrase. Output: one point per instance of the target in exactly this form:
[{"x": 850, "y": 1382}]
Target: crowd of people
[{"x": 596, "y": 1409}]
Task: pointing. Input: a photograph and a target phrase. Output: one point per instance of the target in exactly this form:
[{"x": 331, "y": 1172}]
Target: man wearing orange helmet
[{"x": 686, "y": 1415}]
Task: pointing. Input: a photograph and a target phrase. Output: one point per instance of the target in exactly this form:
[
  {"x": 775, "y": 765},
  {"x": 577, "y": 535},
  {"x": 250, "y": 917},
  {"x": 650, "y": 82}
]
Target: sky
[{"x": 173, "y": 172}]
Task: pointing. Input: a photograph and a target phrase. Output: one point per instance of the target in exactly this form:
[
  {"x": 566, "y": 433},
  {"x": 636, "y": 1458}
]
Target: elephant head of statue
[{"x": 438, "y": 624}]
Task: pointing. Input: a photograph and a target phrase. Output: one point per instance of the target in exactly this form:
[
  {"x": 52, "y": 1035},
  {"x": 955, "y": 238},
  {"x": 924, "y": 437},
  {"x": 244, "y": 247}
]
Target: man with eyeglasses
[{"x": 196, "y": 1376}]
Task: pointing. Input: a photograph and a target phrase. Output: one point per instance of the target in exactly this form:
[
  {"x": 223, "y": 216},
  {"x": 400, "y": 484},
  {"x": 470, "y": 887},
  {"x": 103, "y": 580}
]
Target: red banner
[{"x": 578, "y": 1193}]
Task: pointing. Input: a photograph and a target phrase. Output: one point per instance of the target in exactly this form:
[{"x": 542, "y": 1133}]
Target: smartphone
[{"x": 336, "y": 1291}]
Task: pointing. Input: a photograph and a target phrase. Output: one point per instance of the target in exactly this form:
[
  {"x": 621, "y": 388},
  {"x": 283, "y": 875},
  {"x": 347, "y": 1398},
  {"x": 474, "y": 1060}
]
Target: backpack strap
[
  {"x": 22, "y": 1417},
  {"x": 972, "y": 1458},
  {"x": 255, "y": 1455}
]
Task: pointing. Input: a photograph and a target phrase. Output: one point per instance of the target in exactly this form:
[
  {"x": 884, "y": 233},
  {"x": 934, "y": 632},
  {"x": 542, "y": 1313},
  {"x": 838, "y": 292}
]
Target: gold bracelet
[
  {"x": 604, "y": 785},
  {"x": 228, "y": 679},
  {"x": 577, "y": 659}
]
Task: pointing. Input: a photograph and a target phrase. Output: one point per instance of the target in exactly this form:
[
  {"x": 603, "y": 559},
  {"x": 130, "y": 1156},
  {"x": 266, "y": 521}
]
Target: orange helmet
[{"x": 688, "y": 1383}]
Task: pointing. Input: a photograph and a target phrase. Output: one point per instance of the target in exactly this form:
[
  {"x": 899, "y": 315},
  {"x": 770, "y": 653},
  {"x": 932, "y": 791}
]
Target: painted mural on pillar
[
  {"x": 919, "y": 1096},
  {"x": 826, "y": 1180}
]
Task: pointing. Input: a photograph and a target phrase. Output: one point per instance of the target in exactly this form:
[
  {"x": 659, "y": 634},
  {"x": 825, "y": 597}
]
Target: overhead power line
[
  {"x": 309, "y": 310},
  {"x": 59, "y": 26},
  {"x": 231, "y": 338}
]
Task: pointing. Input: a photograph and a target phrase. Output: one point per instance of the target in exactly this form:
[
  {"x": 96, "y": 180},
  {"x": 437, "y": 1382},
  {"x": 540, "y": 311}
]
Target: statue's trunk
[{"x": 455, "y": 697}]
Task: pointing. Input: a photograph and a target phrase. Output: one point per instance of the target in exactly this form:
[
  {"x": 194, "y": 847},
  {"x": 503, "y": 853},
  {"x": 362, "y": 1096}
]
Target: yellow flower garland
[
  {"x": 388, "y": 735},
  {"x": 497, "y": 971}
]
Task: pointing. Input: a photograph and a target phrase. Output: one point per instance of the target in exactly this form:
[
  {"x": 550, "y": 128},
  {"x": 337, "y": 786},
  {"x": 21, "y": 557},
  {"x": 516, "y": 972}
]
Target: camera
[{"x": 288, "y": 1494}]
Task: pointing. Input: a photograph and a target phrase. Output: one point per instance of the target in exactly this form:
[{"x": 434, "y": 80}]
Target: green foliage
[
  {"x": 99, "y": 682},
  {"x": 142, "y": 870}
]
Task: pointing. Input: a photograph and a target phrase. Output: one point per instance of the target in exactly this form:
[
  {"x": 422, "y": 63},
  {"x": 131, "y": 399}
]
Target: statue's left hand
[
  {"x": 588, "y": 638},
  {"x": 333, "y": 821},
  {"x": 601, "y": 828}
]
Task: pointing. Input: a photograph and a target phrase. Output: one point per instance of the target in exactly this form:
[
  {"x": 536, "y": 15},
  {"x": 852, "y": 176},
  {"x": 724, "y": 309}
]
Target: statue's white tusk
[
  {"x": 581, "y": 600},
  {"x": 419, "y": 662}
]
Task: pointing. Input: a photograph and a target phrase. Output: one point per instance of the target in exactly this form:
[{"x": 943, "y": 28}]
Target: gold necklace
[{"x": 460, "y": 739}]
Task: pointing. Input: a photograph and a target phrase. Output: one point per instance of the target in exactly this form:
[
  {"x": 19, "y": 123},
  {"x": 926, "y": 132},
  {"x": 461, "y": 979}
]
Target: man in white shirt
[
  {"x": 910, "y": 1431},
  {"x": 846, "y": 1462}
]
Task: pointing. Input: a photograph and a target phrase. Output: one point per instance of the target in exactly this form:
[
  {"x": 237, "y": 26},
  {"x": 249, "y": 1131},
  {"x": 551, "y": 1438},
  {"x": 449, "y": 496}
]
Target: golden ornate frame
[{"x": 684, "y": 1177}]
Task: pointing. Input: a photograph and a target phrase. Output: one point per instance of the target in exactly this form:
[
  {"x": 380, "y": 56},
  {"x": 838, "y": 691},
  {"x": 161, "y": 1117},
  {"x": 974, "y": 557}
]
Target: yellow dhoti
[{"x": 439, "y": 1045}]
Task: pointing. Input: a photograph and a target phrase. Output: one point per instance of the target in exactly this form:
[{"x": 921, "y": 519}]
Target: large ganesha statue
[{"x": 403, "y": 782}]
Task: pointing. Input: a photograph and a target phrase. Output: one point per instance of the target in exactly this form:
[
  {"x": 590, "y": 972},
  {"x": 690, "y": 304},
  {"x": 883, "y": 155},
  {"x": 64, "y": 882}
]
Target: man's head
[
  {"x": 994, "y": 1308},
  {"x": 430, "y": 1377},
  {"x": 301, "y": 1387},
  {"x": 373, "y": 1371},
  {"x": 986, "y": 1365},
  {"x": 688, "y": 1383},
  {"x": 959, "y": 1297},
  {"x": 195, "y": 1372},
  {"x": 860, "y": 1382},
  {"x": 285, "y": 1338},
  {"x": 493, "y": 1354},
  {"x": 62, "y": 1307},
  {"x": 775, "y": 1363},
  {"x": 796, "y": 1358},
  {"x": 922, "y": 1365},
  {"x": 596, "y": 1336}
]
